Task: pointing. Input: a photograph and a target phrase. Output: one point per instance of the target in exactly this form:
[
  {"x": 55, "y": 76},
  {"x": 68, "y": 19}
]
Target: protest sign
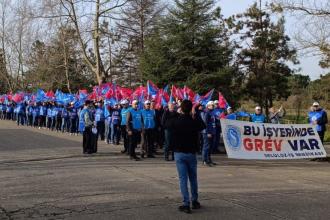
[{"x": 247, "y": 140}]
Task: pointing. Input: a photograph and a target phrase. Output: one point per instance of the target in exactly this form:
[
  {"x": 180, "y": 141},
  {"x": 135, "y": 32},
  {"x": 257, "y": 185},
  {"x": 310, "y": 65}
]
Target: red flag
[
  {"x": 9, "y": 96},
  {"x": 177, "y": 93},
  {"x": 110, "y": 93},
  {"x": 188, "y": 93},
  {"x": 18, "y": 97},
  {"x": 92, "y": 96},
  {"x": 50, "y": 94},
  {"x": 83, "y": 91},
  {"x": 126, "y": 93},
  {"x": 222, "y": 101},
  {"x": 138, "y": 92}
]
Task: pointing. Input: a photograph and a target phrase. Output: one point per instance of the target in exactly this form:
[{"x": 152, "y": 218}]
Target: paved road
[{"x": 44, "y": 176}]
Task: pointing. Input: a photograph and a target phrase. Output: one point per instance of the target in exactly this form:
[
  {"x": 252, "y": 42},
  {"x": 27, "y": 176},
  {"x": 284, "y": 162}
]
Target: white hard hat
[
  {"x": 216, "y": 102},
  {"x": 258, "y": 108},
  {"x": 124, "y": 102},
  {"x": 316, "y": 104},
  {"x": 210, "y": 103},
  {"x": 147, "y": 102}
]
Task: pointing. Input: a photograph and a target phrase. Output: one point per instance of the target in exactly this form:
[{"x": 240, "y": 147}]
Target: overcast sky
[{"x": 308, "y": 64}]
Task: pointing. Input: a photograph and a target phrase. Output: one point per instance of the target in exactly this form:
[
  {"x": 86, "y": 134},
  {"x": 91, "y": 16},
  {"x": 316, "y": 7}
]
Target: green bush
[{"x": 327, "y": 136}]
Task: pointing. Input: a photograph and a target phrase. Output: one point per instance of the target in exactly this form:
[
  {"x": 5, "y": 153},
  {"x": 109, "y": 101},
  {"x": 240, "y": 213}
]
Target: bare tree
[
  {"x": 89, "y": 36},
  {"x": 313, "y": 36},
  {"x": 4, "y": 75}
]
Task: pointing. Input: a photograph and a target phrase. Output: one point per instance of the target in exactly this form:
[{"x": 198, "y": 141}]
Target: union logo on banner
[{"x": 233, "y": 137}]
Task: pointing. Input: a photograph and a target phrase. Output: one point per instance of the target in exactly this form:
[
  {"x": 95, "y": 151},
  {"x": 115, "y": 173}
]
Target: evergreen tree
[
  {"x": 191, "y": 46},
  {"x": 264, "y": 55}
]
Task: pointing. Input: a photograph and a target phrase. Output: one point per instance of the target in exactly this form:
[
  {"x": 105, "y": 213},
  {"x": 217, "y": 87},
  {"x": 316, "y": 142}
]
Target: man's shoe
[
  {"x": 185, "y": 209},
  {"x": 135, "y": 158},
  {"x": 166, "y": 159},
  {"x": 195, "y": 205},
  {"x": 151, "y": 156},
  {"x": 123, "y": 151},
  {"x": 207, "y": 164},
  {"x": 212, "y": 163},
  {"x": 142, "y": 155}
]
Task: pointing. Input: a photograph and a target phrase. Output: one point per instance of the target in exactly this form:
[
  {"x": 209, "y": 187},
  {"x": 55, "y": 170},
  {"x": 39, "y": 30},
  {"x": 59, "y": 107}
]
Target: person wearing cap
[
  {"x": 107, "y": 122},
  {"x": 43, "y": 115},
  {"x": 218, "y": 112},
  {"x": 275, "y": 115},
  {"x": 99, "y": 119},
  {"x": 115, "y": 124},
  {"x": 123, "y": 115},
  {"x": 185, "y": 128},
  {"x": 85, "y": 126},
  {"x": 231, "y": 115},
  {"x": 3, "y": 111},
  {"x": 54, "y": 115},
  {"x": 65, "y": 119},
  {"x": 49, "y": 116},
  {"x": 35, "y": 114},
  {"x": 29, "y": 116},
  {"x": 208, "y": 134},
  {"x": 58, "y": 117},
  {"x": 134, "y": 128},
  {"x": 318, "y": 116},
  {"x": 20, "y": 110},
  {"x": 73, "y": 114},
  {"x": 148, "y": 132},
  {"x": 258, "y": 117}
]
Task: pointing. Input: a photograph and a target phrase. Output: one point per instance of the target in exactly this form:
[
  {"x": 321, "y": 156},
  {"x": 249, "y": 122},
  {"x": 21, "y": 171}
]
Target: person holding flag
[
  {"x": 258, "y": 117},
  {"x": 54, "y": 116},
  {"x": 231, "y": 115},
  {"x": 115, "y": 124},
  {"x": 65, "y": 120},
  {"x": 42, "y": 115},
  {"x": 107, "y": 122},
  {"x": 3, "y": 109},
  {"x": 49, "y": 116},
  {"x": 29, "y": 110},
  {"x": 218, "y": 111},
  {"x": 123, "y": 124},
  {"x": 134, "y": 128},
  {"x": 21, "y": 119},
  {"x": 99, "y": 119},
  {"x": 73, "y": 115},
  {"x": 35, "y": 114},
  {"x": 208, "y": 134},
  {"x": 148, "y": 131}
]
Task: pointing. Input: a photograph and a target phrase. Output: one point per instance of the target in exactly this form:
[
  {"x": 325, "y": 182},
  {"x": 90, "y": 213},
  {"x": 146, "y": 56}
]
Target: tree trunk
[
  {"x": 66, "y": 61},
  {"x": 96, "y": 43}
]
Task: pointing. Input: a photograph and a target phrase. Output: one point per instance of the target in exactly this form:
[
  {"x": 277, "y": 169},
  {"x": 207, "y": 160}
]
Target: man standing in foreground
[{"x": 185, "y": 129}]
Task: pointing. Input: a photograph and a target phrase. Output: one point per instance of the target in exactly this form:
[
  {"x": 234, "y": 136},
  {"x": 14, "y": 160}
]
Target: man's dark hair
[
  {"x": 88, "y": 102},
  {"x": 186, "y": 106}
]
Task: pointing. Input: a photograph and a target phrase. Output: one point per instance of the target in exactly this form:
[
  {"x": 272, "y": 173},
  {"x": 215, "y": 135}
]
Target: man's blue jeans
[
  {"x": 186, "y": 164},
  {"x": 206, "y": 148}
]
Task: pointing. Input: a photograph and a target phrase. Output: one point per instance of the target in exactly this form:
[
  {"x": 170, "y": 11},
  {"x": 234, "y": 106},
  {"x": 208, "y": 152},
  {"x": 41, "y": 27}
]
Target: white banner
[{"x": 247, "y": 140}]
